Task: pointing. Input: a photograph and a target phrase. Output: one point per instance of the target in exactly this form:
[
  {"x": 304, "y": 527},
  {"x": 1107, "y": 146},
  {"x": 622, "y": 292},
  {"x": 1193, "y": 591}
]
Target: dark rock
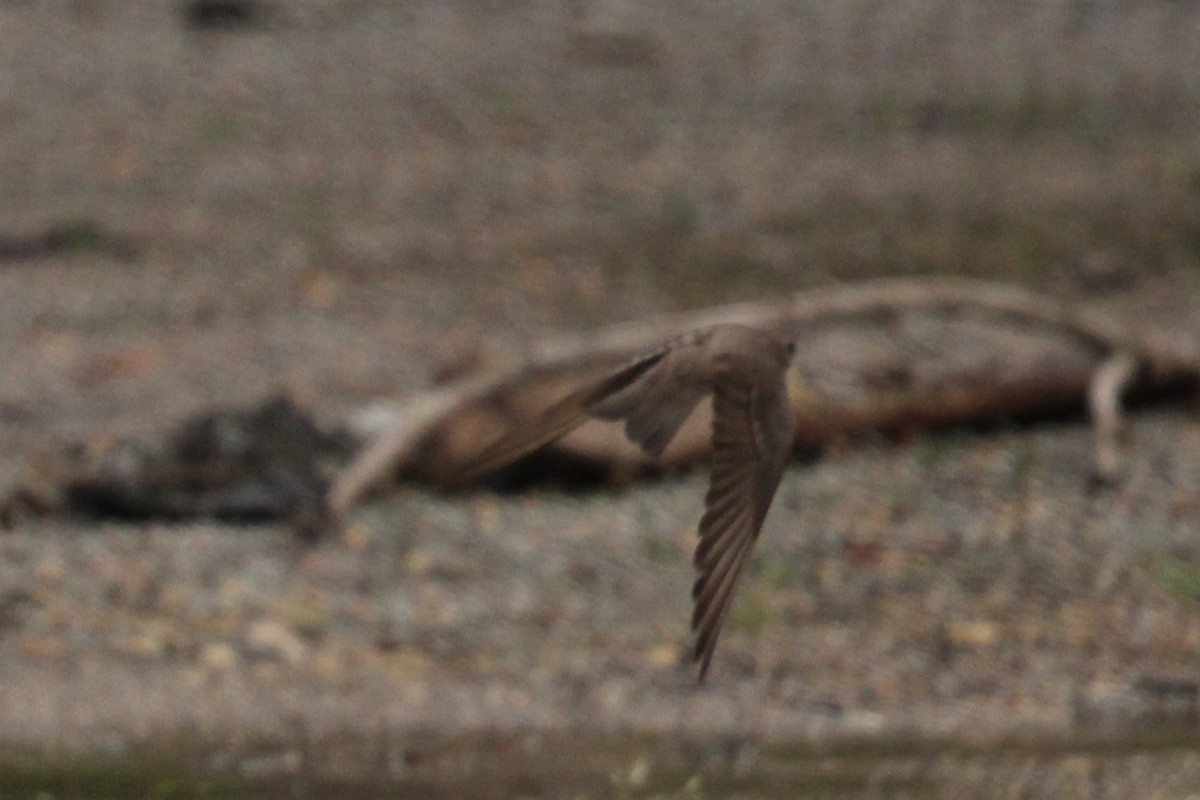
[
  {"x": 268, "y": 462},
  {"x": 225, "y": 15}
]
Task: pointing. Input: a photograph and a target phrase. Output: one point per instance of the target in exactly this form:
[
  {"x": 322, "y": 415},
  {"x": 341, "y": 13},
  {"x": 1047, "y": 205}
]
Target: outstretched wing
[
  {"x": 649, "y": 397},
  {"x": 660, "y": 401},
  {"x": 752, "y": 436}
]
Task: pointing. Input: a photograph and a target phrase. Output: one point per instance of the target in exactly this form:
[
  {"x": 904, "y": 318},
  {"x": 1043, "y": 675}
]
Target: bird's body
[{"x": 744, "y": 370}]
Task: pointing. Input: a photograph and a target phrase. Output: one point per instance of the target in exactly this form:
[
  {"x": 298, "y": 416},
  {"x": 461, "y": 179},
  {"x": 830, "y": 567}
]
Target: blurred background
[{"x": 205, "y": 202}]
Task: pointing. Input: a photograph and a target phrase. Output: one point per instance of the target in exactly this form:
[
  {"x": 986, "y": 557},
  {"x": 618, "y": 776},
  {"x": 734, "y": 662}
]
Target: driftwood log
[{"x": 879, "y": 356}]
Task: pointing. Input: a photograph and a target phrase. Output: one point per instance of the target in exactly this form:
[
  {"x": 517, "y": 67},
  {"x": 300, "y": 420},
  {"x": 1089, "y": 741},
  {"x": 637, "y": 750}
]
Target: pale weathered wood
[
  {"x": 1104, "y": 403},
  {"x": 435, "y": 432}
]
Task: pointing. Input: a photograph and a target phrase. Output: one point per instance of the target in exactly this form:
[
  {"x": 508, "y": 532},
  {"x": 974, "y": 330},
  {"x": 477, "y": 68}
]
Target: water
[{"x": 1146, "y": 763}]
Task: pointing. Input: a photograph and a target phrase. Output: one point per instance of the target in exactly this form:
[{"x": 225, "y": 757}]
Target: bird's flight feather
[
  {"x": 654, "y": 394},
  {"x": 752, "y": 430}
]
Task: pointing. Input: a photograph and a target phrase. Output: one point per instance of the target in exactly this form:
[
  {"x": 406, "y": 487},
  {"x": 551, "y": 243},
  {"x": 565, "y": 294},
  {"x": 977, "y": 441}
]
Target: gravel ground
[
  {"x": 939, "y": 585},
  {"x": 962, "y": 587},
  {"x": 318, "y": 205}
]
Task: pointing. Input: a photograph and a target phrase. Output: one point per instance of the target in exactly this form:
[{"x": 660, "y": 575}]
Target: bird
[{"x": 744, "y": 369}]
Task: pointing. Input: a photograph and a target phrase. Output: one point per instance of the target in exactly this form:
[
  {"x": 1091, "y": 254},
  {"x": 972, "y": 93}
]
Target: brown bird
[{"x": 744, "y": 369}]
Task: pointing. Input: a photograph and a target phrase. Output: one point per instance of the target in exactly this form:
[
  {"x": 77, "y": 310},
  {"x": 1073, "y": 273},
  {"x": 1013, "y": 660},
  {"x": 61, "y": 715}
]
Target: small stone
[
  {"x": 409, "y": 663},
  {"x": 664, "y": 655},
  {"x": 219, "y": 656},
  {"x": 357, "y": 538},
  {"x": 418, "y": 561},
  {"x": 48, "y": 647},
  {"x": 50, "y": 571},
  {"x": 972, "y": 633},
  {"x": 328, "y": 664},
  {"x": 267, "y": 639},
  {"x": 148, "y": 646},
  {"x": 858, "y": 722}
]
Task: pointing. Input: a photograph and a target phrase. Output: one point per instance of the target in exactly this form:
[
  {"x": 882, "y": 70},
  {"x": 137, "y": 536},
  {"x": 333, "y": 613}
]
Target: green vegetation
[
  {"x": 1033, "y": 209},
  {"x": 314, "y": 221},
  {"x": 1179, "y": 576},
  {"x": 218, "y": 129},
  {"x": 633, "y": 766},
  {"x": 751, "y": 612},
  {"x": 778, "y": 569},
  {"x": 104, "y": 780},
  {"x": 921, "y": 234},
  {"x": 670, "y": 252},
  {"x": 1032, "y": 111},
  {"x": 660, "y": 551},
  {"x": 81, "y": 235}
]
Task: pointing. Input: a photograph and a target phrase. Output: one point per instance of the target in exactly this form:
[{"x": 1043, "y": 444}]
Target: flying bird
[{"x": 744, "y": 369}]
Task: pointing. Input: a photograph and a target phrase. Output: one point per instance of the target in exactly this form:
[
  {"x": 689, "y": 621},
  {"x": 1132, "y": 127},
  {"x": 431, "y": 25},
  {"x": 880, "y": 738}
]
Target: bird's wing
[
  {"x": 656, "y": 404},
  {"x": 577, "y": 407},
  {"x": 752, "y": 436}
]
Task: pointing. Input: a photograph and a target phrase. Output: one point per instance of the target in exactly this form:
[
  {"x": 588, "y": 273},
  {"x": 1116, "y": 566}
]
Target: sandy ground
[{"x": 317, "y": 206}]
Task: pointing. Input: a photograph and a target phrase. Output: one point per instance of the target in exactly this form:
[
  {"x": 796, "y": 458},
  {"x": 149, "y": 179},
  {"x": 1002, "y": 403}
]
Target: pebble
[
  {"x": 268, "y": 639},
  {"x": 47, "y": 647},
  {"x": 972, "y": 633},
  {"x": 219, "y": 656},
  {"x": 149, "y": 645}
]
